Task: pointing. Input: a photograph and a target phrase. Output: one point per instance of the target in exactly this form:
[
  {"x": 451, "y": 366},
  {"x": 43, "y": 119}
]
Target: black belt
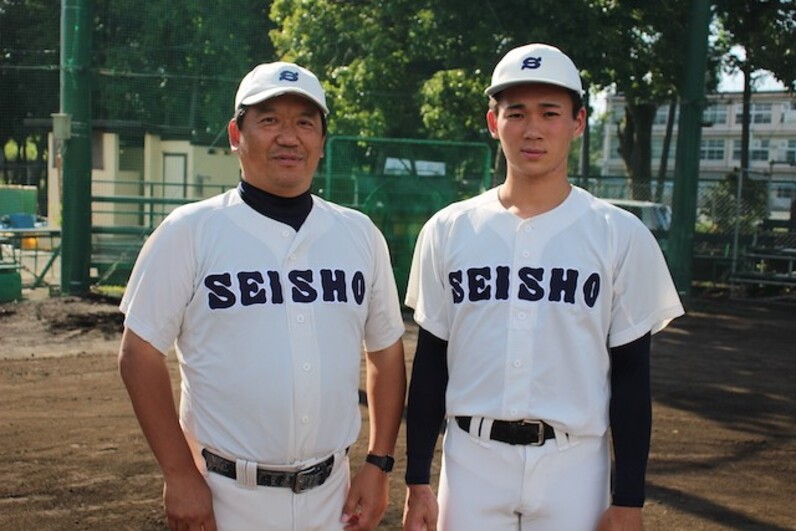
[
  {"x": 532, "y": 432},
  {"x": 297, "y": 481}
]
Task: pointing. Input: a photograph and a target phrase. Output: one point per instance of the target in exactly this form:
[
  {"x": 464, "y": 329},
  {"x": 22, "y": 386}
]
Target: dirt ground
[{"x": 723, "y": 450}]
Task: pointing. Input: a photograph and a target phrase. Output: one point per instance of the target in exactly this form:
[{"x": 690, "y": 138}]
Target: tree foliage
[
  {"x": 175, "y": 65},
  {"x": 766, "y": 31},
  {"x": 415, "y": 68},
  {"x": 403, "y": 68},
  {"x": 645, "y": 57},
  {"x": 29, "y": 51},
  {"x": 724, "y": 209}
]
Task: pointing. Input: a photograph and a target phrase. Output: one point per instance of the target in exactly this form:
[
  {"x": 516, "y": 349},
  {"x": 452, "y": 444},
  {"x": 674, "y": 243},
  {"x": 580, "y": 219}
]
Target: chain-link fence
[
  {"x": 745, "y": 230},
  {"x": 401, "y": 183}
]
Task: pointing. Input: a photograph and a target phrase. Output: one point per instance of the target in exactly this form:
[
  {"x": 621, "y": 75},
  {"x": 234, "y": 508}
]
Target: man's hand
[
  {"x": 188, "y": 503},
  {"x": 421, "y": 509},
  {"x": 621, "y": 519},
  {"x": 367, "y": 499}
]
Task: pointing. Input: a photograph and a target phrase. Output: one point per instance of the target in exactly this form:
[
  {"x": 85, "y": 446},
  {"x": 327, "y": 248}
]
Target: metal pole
[
  {"x": 76, "y": 102},
  {"x": 736, "y": 228},
  {"x": 585, "y": 147},
  {"x": 686, "y": 178}
]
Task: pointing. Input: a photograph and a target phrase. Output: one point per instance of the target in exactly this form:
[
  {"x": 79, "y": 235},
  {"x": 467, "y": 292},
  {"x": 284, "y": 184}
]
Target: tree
[
  {"x": 410, "y": 68},
  {"x": 29, "y": 32},
  {"x": 766, "y": 32},
  {"x": 643, "y": 55},
  {"x": 170, "y": 63},
  {"x": 724, "y": 209},
  {"x": 175, "y": 65}
]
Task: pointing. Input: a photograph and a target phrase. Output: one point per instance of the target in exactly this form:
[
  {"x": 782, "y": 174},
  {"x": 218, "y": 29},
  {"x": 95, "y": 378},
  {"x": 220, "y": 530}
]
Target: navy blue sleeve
[
  {"x": 425, "y": 409},
  {"x": 631, "y": 419}
]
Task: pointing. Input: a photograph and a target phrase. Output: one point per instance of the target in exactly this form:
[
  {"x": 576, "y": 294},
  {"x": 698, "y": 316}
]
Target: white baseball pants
[
  {"x": 239, "y": 508},
  {"x": 484, "y": 484}
]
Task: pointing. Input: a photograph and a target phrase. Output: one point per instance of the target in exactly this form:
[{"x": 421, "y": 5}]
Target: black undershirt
[
  {"x": 630, "y": 412},
  {"x": 291, "y": 211}
]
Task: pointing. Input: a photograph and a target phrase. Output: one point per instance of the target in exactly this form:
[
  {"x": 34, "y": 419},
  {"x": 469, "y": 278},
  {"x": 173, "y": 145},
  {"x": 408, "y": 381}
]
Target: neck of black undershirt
[{"x": 291, "y": 211}]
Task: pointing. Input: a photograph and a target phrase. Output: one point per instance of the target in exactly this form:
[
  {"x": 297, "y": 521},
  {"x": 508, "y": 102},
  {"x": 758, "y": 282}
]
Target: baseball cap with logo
[
  {"x": 535, "y": 63},
  {"x": 270, "y": 80}
]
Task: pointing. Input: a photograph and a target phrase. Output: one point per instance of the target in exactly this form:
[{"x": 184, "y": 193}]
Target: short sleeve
[
  {"x": 161, "y": 284},
  {"x": 425, "y": 291},
  {"x": 645, "y": 298}
]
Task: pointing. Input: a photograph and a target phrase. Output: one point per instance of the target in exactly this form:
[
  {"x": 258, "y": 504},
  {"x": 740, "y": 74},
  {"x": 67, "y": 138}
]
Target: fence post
[
  {"x": 76, "y": 102},
  {"x": 681, "y": 242}
]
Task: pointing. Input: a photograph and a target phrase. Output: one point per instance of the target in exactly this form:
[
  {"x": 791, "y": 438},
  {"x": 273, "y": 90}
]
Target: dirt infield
[{"x": 724, "y": 433}]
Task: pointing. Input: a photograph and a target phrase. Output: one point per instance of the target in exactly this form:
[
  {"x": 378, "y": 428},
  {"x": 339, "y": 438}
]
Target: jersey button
[
  {"x": 528, "y": 228},
  {"x": 299, "y": 318},
  {"x": 513, "y": 412},
  {"x": 517, "y": 363},
  {"x": 305, "y": 419},
  {"x": 285, "y": 233},
  {"x": 306, "y": 367},
  {"x": 526, "y": 254},
  {"x": 521, "y": 315}
]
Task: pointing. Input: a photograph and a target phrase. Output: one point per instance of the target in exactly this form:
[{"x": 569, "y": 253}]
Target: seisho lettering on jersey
[
  {"x": 532, "y": 284},
  {"x": 301, "y": 285}
]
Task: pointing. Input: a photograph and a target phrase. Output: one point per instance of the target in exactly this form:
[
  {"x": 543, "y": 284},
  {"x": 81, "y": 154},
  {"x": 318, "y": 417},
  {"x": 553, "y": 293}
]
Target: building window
[
  {"x": 790, "y": 151},
  {"x": 789, "y": 112},
  {"x": 758, "y": 150},
  {"x": 759, "y": 113},
  {"x": 715, "y": 114},
  {"x": 711, "y": 149},
  {"x": 784, "y": 192}
]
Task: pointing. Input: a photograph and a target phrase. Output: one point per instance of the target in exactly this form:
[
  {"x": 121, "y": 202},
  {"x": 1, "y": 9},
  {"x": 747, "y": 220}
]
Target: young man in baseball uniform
[
  {"x": 536, "y": 302},
  {"x": 267, "y": 294}
]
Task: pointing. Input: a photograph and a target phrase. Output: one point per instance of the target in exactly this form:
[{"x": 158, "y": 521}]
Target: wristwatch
[{"x": 384, "y": 462}]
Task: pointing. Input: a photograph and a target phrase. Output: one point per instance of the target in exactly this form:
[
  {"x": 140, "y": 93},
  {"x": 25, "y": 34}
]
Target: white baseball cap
[
  {"x": 270, "y": 80},
  {"x": 535, "y": 63}
]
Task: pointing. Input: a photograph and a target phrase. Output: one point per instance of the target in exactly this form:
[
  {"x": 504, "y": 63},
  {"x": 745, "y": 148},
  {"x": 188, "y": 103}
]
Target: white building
[
  {"x": 772, "y": 149},
  {"x": 146, "y": 166}
]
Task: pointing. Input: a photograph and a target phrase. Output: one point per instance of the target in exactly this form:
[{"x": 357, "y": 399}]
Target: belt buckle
[
  {"x": 303, "y": 480},
  {"x": 539, "y": 431}
]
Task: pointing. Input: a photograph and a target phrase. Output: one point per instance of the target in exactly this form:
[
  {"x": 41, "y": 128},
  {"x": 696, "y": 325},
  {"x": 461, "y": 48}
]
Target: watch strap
[{"x": 384, "y": 462}]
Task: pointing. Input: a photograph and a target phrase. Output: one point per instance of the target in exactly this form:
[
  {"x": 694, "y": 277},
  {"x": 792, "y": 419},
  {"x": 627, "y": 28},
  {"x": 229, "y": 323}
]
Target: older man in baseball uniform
[
  {"x": 267, "y": 294},
  {"x": 536, "y": 302}
]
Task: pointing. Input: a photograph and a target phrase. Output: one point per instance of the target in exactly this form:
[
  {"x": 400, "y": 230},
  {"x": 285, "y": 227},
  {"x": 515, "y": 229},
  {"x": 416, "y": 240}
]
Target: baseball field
[{"x": 724, "y": 430}]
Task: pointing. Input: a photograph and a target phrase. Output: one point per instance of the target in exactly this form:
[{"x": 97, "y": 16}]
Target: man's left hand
[{"x": 367, "y": 499}]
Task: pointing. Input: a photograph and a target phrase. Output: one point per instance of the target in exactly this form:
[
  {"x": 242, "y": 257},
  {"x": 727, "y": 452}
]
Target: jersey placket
[
  {"x": 305, "y": 358},
  {"x": 520, "y": 341}
]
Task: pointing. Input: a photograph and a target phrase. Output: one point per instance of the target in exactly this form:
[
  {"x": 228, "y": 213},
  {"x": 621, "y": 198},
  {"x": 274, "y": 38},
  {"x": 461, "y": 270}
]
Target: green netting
[{"x": 400, "y": 183}]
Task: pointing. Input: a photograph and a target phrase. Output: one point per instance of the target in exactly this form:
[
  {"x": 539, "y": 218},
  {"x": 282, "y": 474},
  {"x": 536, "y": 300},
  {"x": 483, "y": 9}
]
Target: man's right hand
[
  {"x": 188, "y": 503},
  {"x": 421, "y": 509}
]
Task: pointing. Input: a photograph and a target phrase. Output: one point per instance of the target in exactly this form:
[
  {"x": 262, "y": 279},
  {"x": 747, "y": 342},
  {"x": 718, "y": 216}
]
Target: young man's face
[
  {"x": 535, "y": 127},
  {"x": 279, "y": 143}
]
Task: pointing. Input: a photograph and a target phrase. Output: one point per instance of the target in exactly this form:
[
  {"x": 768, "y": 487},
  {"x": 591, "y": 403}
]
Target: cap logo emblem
[
  {"x": 532, "y": 63},
  {"x": 288, "y": 75}
]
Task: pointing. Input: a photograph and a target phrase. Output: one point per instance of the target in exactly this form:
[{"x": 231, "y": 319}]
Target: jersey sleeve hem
[
  {"x": 430, "y": 326},
  {"x": 147, "y": 334},
  {"x": 392, "y": 338},
  {"x": 653, "y": 324}
]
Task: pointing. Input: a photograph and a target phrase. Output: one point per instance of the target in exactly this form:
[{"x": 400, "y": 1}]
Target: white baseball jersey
[
  {"x": 268, "y": 323},
  {"x": 530, "y": 307}
]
